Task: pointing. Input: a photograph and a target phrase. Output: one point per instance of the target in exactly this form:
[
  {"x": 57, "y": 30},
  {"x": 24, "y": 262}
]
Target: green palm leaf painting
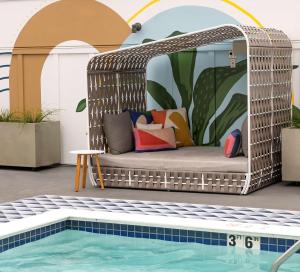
[
  {"x": 236, "y": 107},
  {"x": 161, "y": 95},
  {"x": 211, "y": 88},
  {"x": 183, "y": 65},
  {"x": 209, "y": 92}
]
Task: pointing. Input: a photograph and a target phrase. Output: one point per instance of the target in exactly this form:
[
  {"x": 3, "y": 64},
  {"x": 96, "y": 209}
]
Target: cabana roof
[{"x": 137, "y": 57}]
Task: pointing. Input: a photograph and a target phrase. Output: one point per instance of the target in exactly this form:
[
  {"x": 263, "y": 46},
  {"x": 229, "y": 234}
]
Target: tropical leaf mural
[
  {"x": 209, "y": 92},
  {"x": 161, "y": 95},
  {"x": 183, "y": 66},
  {"x": 236, "y": 107},
  {"x": 211, "y": 88}
]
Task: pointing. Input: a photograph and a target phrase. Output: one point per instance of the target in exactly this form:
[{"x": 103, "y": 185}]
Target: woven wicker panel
[
  {"x": 117, "y": 81},
  {"x": 111, "y": 93},
  {"x": 230, "y": 183},
  {"x": 257, "y": 37},
  {"x": 132, "y": 90},
  {"x": 282, "y": 73},
  {"x": 270, "y": 89},
  {"x": 102, "y": 98},
  {"x": 260, "y": 113}
]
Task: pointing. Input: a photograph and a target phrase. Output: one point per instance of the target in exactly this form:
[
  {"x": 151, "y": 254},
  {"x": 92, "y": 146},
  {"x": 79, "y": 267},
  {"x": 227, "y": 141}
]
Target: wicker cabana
[{"x": 117, "y": 80}]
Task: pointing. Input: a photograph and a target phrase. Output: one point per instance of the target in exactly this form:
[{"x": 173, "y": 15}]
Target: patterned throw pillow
[
  {"x": 154, "y": 140},
  {"x": 140, "y": 117},
  {"x": 233, "y": 144},
  {"x": 178, "y": 120}
]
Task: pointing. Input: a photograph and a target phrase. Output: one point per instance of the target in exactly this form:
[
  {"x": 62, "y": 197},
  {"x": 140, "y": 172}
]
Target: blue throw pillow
[{"x": 140, "y": 117}]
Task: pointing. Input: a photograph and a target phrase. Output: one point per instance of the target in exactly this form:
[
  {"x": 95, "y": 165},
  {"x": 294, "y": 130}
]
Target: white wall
[
  {"x": 63, "y": 85},
  {"x": 4, "y": 83}
]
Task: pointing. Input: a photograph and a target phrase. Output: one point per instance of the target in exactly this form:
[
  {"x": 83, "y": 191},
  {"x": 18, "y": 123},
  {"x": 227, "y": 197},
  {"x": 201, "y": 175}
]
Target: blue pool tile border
[
  {"x": 31, "y": 236},
  {"x": 276, "y": 244},
  {"x": 137, "y": 231},
  {"x": 158, "y": 233}
]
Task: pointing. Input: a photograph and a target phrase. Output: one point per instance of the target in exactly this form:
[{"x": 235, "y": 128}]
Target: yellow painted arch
[
  {"x": 244, "y": 11},
  {"x": 84, "y": 20},
  {"x": 229, "y": 2},
  {"x": 152, "y": 2}
]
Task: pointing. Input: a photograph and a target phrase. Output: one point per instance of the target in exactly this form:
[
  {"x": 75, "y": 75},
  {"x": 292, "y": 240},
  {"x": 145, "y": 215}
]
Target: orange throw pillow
[{"x": 176, "y": 119}]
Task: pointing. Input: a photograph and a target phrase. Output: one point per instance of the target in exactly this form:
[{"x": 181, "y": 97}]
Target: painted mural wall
[{"x": 45, "y": 46}]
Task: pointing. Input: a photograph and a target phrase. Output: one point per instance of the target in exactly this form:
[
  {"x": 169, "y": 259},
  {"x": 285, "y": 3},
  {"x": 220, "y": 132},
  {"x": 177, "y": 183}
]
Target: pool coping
[{"x": 58, "y": 215}]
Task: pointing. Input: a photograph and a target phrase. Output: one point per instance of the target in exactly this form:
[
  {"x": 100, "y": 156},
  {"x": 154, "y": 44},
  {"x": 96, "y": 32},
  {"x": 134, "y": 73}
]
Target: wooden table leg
[
  {"x": 84, "y": 171},
  {"x": 99, "y": 172},
  {"x": 77, "y": 177}
]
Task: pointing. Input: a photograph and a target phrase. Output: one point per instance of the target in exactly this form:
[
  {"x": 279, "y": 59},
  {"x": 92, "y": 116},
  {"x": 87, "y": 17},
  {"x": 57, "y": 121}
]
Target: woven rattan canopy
[
  {"x": 117, "y": 80},
  {"x": 137, "y": 57}
]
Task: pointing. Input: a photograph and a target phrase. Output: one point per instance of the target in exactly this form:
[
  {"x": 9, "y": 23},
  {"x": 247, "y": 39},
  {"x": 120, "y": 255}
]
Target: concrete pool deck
[{"x": 16, "y": 184}]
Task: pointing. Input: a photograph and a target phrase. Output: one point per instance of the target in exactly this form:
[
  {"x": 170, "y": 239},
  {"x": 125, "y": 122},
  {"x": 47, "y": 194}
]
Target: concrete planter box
[
  {"x": 291, "y": 154},
  {"x": 29, "y": 145}
]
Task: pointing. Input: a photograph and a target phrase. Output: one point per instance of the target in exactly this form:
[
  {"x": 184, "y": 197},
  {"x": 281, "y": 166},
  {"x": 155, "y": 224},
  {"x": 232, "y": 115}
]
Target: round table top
[{"x": 86, "y": 152}]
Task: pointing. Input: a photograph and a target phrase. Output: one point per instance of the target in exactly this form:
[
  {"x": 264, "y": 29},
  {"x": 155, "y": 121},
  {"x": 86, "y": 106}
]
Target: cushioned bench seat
[{"x": 194, "y": 158}]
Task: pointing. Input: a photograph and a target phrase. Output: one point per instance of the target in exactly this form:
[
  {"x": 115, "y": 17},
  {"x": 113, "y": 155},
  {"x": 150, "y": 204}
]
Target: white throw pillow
[{"x": 149, "y": 126}]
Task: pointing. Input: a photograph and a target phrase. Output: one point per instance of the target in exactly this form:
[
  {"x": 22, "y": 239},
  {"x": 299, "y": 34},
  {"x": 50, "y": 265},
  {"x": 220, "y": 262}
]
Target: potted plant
[
  {"x": 29, "y": 139},
  {"x": 291, "y": 149}
]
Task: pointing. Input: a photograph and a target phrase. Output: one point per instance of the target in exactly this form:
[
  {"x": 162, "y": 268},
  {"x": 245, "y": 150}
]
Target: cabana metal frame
[{"x": 117, "y": 80}]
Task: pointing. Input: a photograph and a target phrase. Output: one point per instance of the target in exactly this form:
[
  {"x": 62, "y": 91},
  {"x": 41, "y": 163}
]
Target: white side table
[{"x": 85, "y": 154}]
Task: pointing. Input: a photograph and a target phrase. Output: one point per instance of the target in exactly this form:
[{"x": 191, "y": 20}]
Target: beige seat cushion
[{"x": 192, "y": 158}]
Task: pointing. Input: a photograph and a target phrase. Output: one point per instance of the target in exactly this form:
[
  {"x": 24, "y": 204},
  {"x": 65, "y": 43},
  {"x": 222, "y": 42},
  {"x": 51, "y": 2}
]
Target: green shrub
[
  {"x": 6, "y": 116},
  {"x": 296, "y": 117},
  {"x": 26, "y": 117}
]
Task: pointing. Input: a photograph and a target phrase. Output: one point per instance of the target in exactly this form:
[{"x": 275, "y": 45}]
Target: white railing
[{"x": 278, "y": 262}]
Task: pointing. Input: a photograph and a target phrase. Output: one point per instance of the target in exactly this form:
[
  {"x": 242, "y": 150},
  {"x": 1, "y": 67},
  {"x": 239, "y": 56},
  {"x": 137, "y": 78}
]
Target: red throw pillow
[{"x": 154, "y": 140}]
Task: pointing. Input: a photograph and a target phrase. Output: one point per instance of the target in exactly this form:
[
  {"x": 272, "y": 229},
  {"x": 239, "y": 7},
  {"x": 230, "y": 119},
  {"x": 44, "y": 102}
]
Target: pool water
[{"x": 81, "y": 251}]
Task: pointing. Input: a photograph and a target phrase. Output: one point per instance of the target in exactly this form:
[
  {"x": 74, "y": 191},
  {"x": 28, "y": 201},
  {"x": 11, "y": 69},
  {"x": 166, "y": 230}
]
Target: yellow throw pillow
[{"x": 178, "y": 120}]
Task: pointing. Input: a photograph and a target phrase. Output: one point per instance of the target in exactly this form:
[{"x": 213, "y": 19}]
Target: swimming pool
[
  {"x": 81, "y": 251},
  {"x": 47, "y": 233}
]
